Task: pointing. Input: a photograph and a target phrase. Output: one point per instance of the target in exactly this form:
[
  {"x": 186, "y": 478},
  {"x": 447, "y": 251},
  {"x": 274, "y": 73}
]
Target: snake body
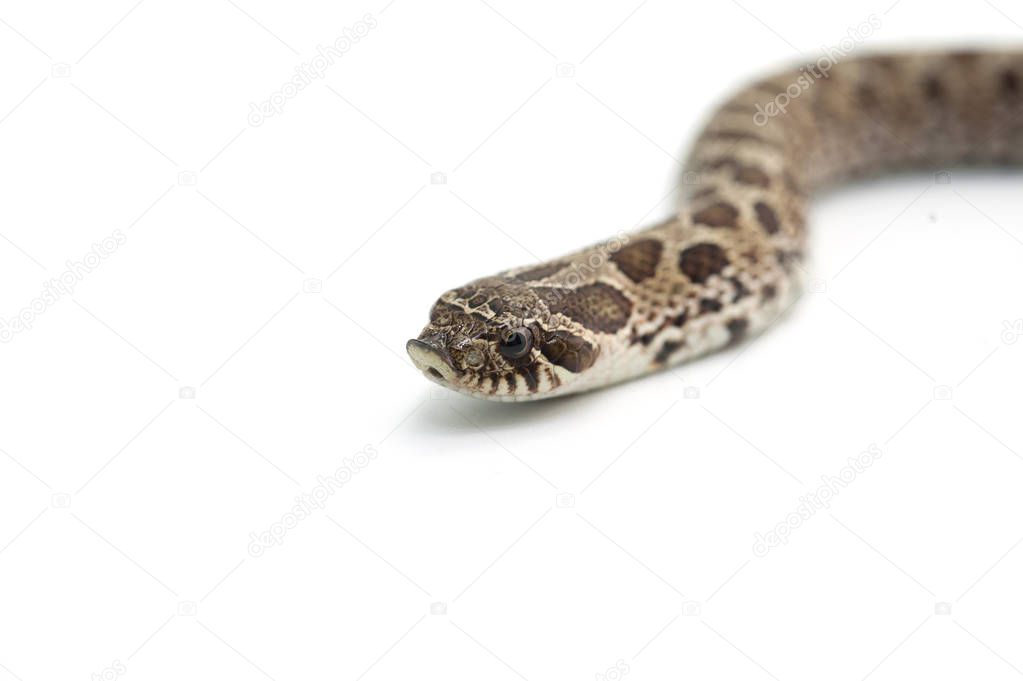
[{"x": 729, "y": 262}]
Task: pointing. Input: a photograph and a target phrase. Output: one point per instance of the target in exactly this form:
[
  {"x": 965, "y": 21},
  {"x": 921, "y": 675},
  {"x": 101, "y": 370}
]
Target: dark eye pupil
[{"x": 515, "y": 344}]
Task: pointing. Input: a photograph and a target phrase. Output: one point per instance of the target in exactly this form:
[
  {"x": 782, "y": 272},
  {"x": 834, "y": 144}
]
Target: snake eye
[{"x": 515, "y": 343}]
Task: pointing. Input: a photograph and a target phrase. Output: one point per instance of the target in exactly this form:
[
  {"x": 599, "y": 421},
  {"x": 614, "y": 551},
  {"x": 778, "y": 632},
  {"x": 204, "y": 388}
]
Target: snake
[{"x": 730, "y": 260}]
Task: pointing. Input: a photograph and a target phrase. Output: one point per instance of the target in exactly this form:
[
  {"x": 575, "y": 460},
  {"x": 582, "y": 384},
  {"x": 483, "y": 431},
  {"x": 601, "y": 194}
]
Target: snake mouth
[{"x": 432, "y": 361}]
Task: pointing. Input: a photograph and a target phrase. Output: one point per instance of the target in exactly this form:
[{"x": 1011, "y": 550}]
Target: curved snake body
[{"x": 729, "y": 263}]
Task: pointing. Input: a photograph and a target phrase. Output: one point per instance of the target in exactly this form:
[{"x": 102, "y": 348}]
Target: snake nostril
[{"x": 433, "y": 372}]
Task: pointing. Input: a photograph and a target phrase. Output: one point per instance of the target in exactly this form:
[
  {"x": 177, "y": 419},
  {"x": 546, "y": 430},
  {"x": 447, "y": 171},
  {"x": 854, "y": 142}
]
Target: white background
[{"x": 561, "y": 538}]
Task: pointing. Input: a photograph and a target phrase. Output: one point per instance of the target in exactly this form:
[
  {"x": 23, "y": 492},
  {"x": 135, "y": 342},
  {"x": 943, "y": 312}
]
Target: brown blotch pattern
[
  {"x": 966, "y": 58},
  {"x": 886, "y": 63},
  {"x": 703, "y": 193},
  {"x": 741, "y": 291},
  {"x": 933, "y": 89},
  {"x": 746, "y": 174},
  {"x": 718, "y": 164},
  {"x": 708, "y": 305},
  {"x": 540, "y": 272},
  {"x": 767, "y": 217},
  {"x": 645, "y": 339},
  {"x": 702, "y": 261},
  {"x": 768, "y": 88},
  {"x": 568, "y": 351},
  {"x": 753, "y": 176},
  {"x": 666, "y": 351},
  {"x": 1010, "y": 83},
  {"x": 737, "y": 329},
  {"x": 638, "y": 260},
  {"x": 720, "y": 214},
  {"x": 596, "y": 306},
  {"x": 740, "y": 136}
]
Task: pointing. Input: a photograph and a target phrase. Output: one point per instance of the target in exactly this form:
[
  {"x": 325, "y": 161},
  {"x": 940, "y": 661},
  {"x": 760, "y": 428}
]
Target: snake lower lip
[{"x": 432, "y": 360}]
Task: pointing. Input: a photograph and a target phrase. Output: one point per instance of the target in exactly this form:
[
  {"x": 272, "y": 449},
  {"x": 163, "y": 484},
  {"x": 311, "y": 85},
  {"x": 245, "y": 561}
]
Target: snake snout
[{"x": 432, "y": 360}]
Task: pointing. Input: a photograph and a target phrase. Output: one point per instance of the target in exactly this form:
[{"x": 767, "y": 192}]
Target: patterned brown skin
[
  {"x": 702, "y": 261},
  {"x": 721, "y": 214},
  {"x": 639, "y": 259},
  {"x": 599, "y": 306},
  {"x": 731, "y": 261}
]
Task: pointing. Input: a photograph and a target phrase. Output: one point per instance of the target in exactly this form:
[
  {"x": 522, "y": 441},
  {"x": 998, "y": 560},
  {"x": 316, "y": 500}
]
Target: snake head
[{"x": 499, "y": 339}]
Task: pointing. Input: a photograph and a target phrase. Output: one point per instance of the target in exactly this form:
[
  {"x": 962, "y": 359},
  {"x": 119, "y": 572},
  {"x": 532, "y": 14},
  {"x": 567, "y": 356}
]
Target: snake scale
[{"x": 729, "y": 262}]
